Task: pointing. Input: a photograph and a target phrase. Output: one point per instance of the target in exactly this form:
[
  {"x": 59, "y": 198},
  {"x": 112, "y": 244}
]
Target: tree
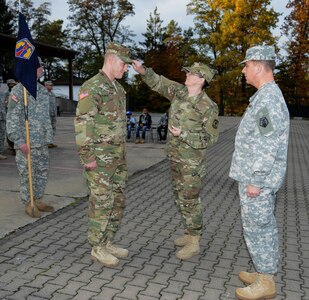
[
  {"x": 6, "y": 26},
  {"x": 95, "y": 23},
  {"x": 6, "y": 18},
  {"x": 226, "y": 29},
  {"x": 296, "y": 65},
  {"x": 154, "y": 32}
]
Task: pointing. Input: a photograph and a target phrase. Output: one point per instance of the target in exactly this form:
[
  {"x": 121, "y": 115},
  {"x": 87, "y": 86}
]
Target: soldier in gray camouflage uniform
[
  {"x": 259, "y": 165},
  {"x": 10, "y": 83},
  {"x": 52, "y": 108},
  {"x": 40, "y": 137},
  {"x": 100, "y": 127},
  {"x": 193, "y": 126},
  {"x": 3, "y": 89}
]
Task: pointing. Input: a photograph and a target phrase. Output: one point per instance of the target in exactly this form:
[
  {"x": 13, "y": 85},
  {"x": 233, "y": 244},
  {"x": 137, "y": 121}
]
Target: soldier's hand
[
  {"x": 138, "y": 67},
  {"x": 253, "y": 191},
  {"x": 24, "y": 149},
  {"x": 91, "y": 166},
  {"x": 175, "y": 131}
]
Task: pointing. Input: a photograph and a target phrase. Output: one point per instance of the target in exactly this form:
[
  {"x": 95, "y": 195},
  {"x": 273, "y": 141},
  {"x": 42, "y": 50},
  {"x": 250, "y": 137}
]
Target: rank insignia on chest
[{"x": 263, "y": 122}]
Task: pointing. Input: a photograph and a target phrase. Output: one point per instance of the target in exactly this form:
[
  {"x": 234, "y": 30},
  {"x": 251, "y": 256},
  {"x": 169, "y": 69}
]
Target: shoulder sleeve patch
[
  {"x": 264, "y": 122},
  {"x": 83, "y": 95},
  {"x": 14, "y": 98}
]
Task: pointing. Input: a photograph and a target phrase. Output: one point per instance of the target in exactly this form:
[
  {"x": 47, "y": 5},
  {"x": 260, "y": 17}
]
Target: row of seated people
[{"x": 144, "y": 123}]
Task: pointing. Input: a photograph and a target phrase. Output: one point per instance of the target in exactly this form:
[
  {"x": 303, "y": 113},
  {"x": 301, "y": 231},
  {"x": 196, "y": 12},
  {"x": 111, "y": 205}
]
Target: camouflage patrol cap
[
  {"x": 260, "y": 53},
  {"x": 121, "y": 51},
  {"x": 11, "y": 81},
  {"x": 201, "y": 70}
]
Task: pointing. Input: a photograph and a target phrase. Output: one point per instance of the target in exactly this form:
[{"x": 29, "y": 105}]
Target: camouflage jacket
[
  {"x": 100, "y": 123},
  {"x": 41, "y": 132},
  {"x": 3, "y": 93},
  {"x": 197, "y": 117},
  {"x": 260, "y": 156}
]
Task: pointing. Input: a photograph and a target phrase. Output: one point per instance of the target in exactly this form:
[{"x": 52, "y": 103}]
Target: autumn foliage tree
[{"x": 226, "y": 29}]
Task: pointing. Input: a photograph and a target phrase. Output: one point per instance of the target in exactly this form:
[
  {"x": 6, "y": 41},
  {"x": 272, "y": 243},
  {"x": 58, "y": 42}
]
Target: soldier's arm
[
  {"x": 84, "y": 125},
  {"x": 14, "y": 118},
  {"x": 268, "y": 120}
]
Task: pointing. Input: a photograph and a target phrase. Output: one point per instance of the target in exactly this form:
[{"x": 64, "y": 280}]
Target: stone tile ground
[{"x": 50, "y": 259}]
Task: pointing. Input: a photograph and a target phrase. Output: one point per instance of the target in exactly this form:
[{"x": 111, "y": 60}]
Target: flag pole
[{"x": 29, "y": 150}]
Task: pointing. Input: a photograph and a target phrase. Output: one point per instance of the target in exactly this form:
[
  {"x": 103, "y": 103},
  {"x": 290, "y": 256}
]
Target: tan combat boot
[
  {"x": 32, "y": 212},
  {"x": 247, "y": 277},
  {"x": 190, "y": 249},
  {"x": 116, "y": 251},
  {"x": 100, "y": 254},
  {"x": 263, "y": 288},
  {"x": 2, "y": 157},
  {"x": 43, "y": 207},
  {"x": 142, "y": 141},
  {"x": 182, "y": 241},
  {"x": 137, "y": 141}
]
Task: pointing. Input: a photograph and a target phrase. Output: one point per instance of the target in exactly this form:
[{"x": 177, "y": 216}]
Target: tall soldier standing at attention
[
  {"x": 259, "y": 165},
  {"x": 193, "y": 125},
  {"x": 100, "y": 127}
]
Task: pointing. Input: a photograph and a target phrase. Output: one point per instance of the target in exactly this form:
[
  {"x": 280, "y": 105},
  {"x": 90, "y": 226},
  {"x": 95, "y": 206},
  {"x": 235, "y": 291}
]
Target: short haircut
[{"x": 269, "y": 65}]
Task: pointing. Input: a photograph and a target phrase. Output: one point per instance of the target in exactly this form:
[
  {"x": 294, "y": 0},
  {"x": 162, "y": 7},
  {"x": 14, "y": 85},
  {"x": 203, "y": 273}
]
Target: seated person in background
[
  {"x": 144, "y": 123},
  {"x": 163, "y": 124},
  {"x": 130, "y": 123}
]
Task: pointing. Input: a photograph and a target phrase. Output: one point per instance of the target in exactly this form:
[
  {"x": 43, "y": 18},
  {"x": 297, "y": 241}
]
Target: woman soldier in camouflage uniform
[{"x": 193, "y": 126}]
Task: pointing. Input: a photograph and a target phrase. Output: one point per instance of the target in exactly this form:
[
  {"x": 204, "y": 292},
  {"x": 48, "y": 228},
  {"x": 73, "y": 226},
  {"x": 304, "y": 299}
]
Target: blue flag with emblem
[{"x": 27, "y": 60}]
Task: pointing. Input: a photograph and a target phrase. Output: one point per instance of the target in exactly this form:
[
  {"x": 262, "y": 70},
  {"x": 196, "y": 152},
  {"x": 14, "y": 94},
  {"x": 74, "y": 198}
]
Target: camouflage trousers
[
  {"x": 260, "y": 229},
  {"x": 106, "y": 203},
  {"x": 187, "y": 183},
  {"x": 2, "y": 135},
  {"x": 39, "y": 163}
]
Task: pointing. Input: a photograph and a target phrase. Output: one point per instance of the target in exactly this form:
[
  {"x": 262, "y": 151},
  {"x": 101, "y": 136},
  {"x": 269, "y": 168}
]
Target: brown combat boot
[
  {"x": 182, "y": 241},
  {"x": 247, "y": 277},
  {"x": 32, "y": 212},
  {"x": 190, "y": 249},
  {"x": 137, "y": 141},
  {"x": 2, "y": 157},
  {"x": 142, "y": 141},
  {"x": 116, "y": 251},
  {"x": 263, "y": 288},
  {"x": 100, "y": 254},
  {"x": 43, "y": 207}
]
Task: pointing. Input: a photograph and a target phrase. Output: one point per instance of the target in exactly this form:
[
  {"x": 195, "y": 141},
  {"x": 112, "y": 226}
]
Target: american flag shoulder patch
[
  {"x": 14, "y": 98},
  {"x": 83, "y": 95}
]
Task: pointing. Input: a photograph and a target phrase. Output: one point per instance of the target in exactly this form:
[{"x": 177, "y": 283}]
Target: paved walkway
[{"x": 50, "y": 259}]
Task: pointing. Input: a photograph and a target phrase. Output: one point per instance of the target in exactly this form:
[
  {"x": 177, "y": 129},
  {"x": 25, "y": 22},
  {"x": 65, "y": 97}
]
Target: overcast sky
[{"x": 168, "y": 10}]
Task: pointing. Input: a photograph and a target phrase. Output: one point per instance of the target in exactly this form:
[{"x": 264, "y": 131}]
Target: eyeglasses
[{"x": 196, "y": 74}]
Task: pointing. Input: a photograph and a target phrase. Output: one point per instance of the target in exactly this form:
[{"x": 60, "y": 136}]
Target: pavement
[{"x": 49, "y": 258}]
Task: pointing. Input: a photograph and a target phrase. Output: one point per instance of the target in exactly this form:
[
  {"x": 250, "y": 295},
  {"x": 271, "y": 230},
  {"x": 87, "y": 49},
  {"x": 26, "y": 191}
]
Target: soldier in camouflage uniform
[
  {"x": 259, "y": 165},
  {"x": 52, "y": 108},
  {"x": 2, "y": 118},
  {"x": 10, "y": 83},
  {"x": 193, "y": 126},
  {"x": 100, "y": 127},
  {"x": 40, "y": 136}
]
